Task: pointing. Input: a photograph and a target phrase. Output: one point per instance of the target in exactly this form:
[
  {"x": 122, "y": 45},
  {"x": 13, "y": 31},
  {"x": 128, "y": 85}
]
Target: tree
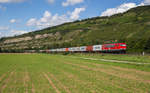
[{"x": 147, "y": 45}]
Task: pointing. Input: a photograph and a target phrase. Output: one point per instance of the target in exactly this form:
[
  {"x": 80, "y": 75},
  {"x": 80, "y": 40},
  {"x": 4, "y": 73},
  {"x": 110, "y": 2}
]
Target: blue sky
[{"x": 22, "y": 16}]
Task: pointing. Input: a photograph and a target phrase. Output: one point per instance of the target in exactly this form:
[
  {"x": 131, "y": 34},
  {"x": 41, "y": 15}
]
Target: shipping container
[
  {"x": 89, "y": 48},
  {"x": 97, "y": 48},
  {"x": 67, "y": 49},
  {"x": 71, "y": 49},
  {"x": 83, "y": 48},
  {"x": 76, "y": 49}
]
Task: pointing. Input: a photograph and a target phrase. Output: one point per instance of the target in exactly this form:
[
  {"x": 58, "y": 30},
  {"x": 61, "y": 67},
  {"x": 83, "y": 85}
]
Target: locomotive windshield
[
  {"x": 123, "y": 45},
  {"x": 109, "y": 46}
]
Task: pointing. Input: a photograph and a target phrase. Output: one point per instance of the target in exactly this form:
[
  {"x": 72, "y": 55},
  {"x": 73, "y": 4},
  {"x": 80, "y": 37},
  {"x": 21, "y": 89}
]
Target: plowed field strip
[
  {"x": 12, "y": 86},
  {"x": 133, "y": 71},
  {"x": 130, "y": 72},
  {"x": 51, "y": 83},
  {"x": 111, "y": 72},
  {"x": 6, "y": 82},
  {"x": 120, "y": 68},
  {"x": 89, "y": 85},
  {"x": 33, "y": 88},
  {"x": 26, "y": 80},
  {"x": 2, "y": 76},
  {"x": 66, "y": 88},
  {"x": 99, "y": 80}
]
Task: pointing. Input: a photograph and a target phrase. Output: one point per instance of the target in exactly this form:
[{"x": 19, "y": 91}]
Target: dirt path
[
  {"x": 112, "y": 61},
  {"x": 51, "y": 83}
]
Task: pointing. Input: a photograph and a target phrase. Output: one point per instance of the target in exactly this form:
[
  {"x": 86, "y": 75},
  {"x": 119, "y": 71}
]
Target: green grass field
[{"x": 45, "y": 73}]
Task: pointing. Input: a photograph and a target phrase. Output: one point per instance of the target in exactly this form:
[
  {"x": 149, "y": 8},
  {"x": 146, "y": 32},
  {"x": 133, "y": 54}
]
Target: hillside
[{"x": 132, "y": 27}]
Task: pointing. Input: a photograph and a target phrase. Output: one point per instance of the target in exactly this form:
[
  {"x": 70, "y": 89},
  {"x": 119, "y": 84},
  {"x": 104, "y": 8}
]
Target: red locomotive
[{"x": 116, "y": 47}]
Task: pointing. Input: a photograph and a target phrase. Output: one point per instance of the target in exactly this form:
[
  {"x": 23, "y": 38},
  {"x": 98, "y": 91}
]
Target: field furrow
[
  {"x": 51, "y": 83},
  {"x": 26, "y": 80},
  {"x": 33, "y": 88},
  {"x": 5, "y": 83},
  {"x": 60, "y": 84},
  {"x": 118, "y": 75}
]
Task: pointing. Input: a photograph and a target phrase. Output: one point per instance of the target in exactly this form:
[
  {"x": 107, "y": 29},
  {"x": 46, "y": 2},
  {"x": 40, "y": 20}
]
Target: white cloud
[
  {"x": 13, "y": 21},
  {"x": 47, "y": 15},
  {"x": 31, "y": 22},
  {"x": 123, "y": 8},
  {"x": 72, "y": 2},
  {"x": 76, "y": 12},
  {"x": 120, "y": 9},
  {"x": 146, "y": 2},
  {"x": 10, "y": 1},
  {"x": 1, "y": 35},
  {"x": 51, "y": 1},
  {"x": 5, "y": 31},
  {"x": 49, "y": 20},
  {"x": 16, "y": 32},
  {"x": 3, "y": 28}
]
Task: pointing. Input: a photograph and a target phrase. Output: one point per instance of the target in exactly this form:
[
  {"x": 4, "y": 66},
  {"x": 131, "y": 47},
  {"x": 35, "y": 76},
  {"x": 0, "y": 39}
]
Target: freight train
[{"x": 105, "y": 48}]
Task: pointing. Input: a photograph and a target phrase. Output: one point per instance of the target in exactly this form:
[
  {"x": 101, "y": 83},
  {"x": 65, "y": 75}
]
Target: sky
[{"x": 23, "y": 16}]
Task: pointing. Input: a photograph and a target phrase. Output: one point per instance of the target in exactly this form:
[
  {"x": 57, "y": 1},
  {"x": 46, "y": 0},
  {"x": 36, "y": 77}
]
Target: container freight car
[
  {"x": 71, "y": 49},
  {"x": 97, "y": 48},
  {"x": 67, "y": 50},
  {"x": 83, "y": 49},
  {"x": 77, "y": 49},
  {"x": 89, "y": 48}
]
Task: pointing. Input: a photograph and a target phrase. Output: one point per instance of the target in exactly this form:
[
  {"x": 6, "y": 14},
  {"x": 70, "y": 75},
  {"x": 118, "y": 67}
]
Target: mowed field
[{"x": 45, "y": 73}]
